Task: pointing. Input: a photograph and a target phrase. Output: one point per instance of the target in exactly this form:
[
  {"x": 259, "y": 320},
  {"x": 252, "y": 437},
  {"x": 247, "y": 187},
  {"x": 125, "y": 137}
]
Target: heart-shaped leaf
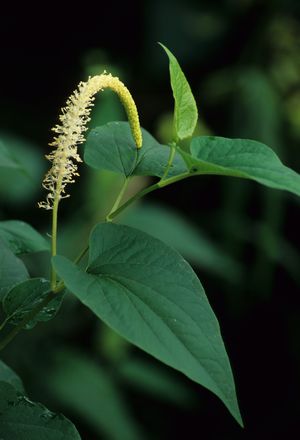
[
  {"x": 177, "y": 231},
  {"x": 149, "y": 294},
  {"x": 111, "y": 147}
]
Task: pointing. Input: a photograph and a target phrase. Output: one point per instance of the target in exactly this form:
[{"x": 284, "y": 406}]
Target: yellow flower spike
[{"x": 70, "y": 133}]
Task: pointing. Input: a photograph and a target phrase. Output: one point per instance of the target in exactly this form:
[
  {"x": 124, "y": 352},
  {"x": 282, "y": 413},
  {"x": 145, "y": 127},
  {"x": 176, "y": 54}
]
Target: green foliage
[
  {"x": 20, "y": 181},
  {"x": 12, "y": 270},
  {"x": 7, "y": 160},
  {"x": 23, "y": 298},
  {"x": 146, "y": 292},
  {"x": 9, "y": 376},
  {"x": 22, "y": 419},
  {"x": 241, "y": 158},
  {"x": 135, "y": 281},
  {"x": 21, "y": 238},
  {"x": 88, "y": 389},
  {"x": 180, "y": 233},
  {"x": 155, "y": 381},
  {"x": 111, "y": 147},
  {"x": 185, "y": 112}
]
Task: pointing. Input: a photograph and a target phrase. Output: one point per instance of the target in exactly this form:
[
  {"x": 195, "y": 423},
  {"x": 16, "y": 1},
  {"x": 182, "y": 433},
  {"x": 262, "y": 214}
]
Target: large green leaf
[
  {"x": 111, "y": 147},
  {"x": 21, "y": 419},
  {"x": 21, "y": 238},
  {"x": 185, "y": 112},
  {"x": 241, "y": 158},
  {"x": 9, "y": 376},
  {"x": 177, "y": 231},
  {"x": 150, "y": 295},
  {"x": 87, "y": 388},
  {"x": 12, "y": 270},
  {"x": 24, "y": 297}
]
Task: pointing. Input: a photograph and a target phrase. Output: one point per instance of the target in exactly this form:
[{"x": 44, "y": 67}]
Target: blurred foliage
[
  {"x": 19, "y": 184},
  {"x": 243, "y": 60}
]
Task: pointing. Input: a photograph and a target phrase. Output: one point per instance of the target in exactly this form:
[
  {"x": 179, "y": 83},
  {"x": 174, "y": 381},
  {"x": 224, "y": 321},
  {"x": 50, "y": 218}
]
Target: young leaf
[
  {"x": 22, "y": 419},
  {"x": 21, "y": 238},
  {"x": 241, "y": 158},
  {"x": 185, "y": 112},
  {"x": 87, "y": 388},
  {"x": 111, "y": 147},
  {"x": 24, "y": 297},
  {"x": 150, "y": 295},
  {"x": 12, "y": 270},
  {"x": 9, "y": 376}
]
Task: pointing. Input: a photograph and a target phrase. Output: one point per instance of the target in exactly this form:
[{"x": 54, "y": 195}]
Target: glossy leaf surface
[
  {"x": 241, "y": 158},
  {"x": 24, "y": 297},
  {"x": 111, "y": 147},
  {"x": 150, "y": 295},
  {"x": 185, "y": 112},
  {"x": 22, "y": 419}
]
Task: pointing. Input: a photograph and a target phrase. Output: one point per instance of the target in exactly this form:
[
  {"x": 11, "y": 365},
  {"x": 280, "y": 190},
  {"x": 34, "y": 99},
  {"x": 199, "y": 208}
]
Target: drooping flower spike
[{"x": 70, "y": 133}]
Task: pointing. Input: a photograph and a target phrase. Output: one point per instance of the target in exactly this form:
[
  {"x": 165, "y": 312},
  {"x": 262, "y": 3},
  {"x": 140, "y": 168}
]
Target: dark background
[{"x": 242, "y": 60}]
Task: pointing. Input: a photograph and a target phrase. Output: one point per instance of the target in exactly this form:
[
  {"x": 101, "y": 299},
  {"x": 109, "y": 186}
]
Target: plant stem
[
  {"x": 81, "y": 255},
  {"x": 116, "y": 211},
  {"x": 60, "y": 286},
  {"x": 118, "y": 199},
  {"x": 57, "y": 288},
  {"x": 160, "y": 184},
  {"x": 170, "y": 160},
  {"x": 11, "y": 335},
  {"x": 54, "y": 240}
]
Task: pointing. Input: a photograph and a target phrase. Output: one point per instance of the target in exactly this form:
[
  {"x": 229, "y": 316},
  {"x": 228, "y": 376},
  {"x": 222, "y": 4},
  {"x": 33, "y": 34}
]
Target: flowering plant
[{"x": 139, "y": 286}]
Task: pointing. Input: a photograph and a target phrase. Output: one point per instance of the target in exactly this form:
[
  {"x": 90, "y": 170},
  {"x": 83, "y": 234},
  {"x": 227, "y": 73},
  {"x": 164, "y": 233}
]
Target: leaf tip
[{"x": 168, "y": 52}]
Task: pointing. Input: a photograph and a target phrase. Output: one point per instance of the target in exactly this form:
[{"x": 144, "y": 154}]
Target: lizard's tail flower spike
[{"x": 70, "y": 133}]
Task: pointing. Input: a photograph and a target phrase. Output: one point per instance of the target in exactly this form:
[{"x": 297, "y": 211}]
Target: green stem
[
  {"x": 81, "y": 255},
  {"x": 139, "y": 195},
  {"x": 170, "y": 160},
  {"x": 116, "y": 211},
  {"x": 61, "y": 284},
  {"x": 54, "y": 240},
  {"x": 11, "y": 335},
  {"x": 118, "y": 199}
]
